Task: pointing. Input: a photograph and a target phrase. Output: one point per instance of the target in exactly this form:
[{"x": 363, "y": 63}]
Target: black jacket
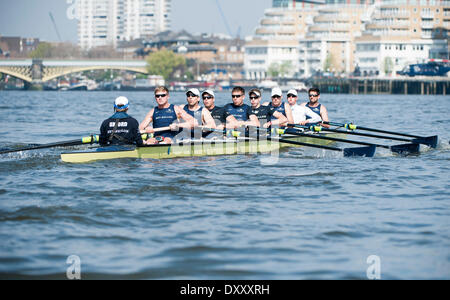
[{"x": 126, "y": 132}]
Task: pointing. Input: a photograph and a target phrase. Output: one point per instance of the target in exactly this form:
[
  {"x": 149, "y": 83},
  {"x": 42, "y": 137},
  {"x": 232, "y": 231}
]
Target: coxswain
[
  {"x": 120, "y": 128},
  {"x": 238, "y": 113},
  {"x": 266, "y": 116},
  {"x": 302, "y": 115},
  {"x": 277, "y": 104},
  {"x": 315, "y": 106},
  {"x": 165, "y": 115}
]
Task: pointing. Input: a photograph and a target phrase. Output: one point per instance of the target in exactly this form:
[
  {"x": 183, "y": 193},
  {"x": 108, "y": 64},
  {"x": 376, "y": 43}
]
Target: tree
[
  {"x": 101, "y": 52},
  {"x": 43, "y": 50},
  {"x": 328, "y": 64},
  {"x": 388, "y": 65},
  {"x": 274, "y": 70},
  {"x": 55, "y": 50},
  {"x": 285, "y": 68},
  {"x": 164, "y": 63}
]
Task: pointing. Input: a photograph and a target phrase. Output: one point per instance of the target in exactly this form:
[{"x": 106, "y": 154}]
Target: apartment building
[
  {"x": 399, "y": 34},
  {"x": 328, "y": 45},
  {"x": 340, "y": 35},
  {"x": 275, "y": 42},
  {"x": 305, "y": 36},
  {"x": 14, "y": 46},
  {"x": 106, "y": 22}
]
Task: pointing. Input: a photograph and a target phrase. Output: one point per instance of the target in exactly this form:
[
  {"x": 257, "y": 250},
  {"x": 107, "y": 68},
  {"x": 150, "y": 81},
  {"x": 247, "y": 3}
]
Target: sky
[{"x": 30, "y": 18}]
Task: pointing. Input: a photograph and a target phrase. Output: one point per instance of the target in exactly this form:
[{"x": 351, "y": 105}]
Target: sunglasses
[
  {"x": 160, "y": 96},
  {"x": 291, "y": 96},
  {"x": 207, "y": 97},
  {"x": 191, "y": 95},
  {"x": 313, "y": 95},
  {"x": 276, "y": 97},
  {"x": 236, "y": 96},
  {"x": 254, "y": 97}
]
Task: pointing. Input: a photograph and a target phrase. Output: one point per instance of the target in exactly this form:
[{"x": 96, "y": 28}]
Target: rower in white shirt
[{"x": 299, "y": 112}]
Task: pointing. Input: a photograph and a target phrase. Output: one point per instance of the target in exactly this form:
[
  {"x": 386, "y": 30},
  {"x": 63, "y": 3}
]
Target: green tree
[
  {"x": 388, "y": 65},
  {"x": 164, "y": 63},
  {"x": 43, "y": 50},
  {"x": 328, "y": 64},
  {"x": 285, "y": 68},
  {"x": 274, "y": 70}
]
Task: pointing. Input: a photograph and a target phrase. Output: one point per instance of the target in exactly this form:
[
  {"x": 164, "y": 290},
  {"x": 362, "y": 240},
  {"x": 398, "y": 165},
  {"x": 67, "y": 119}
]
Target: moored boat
[{"x": 192, "y": 148}]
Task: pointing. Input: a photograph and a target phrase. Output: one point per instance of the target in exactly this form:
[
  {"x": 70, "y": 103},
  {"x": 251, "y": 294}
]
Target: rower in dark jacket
[{"x": 120, "y": 128}]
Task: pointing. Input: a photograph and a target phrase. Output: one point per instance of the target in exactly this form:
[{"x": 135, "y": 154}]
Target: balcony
[
  {"x": 427, "y": 25},
  {"x": 427, "y": 15},
  {"x": 398, "y": 14},
  {"x": 269, "y": 22}
]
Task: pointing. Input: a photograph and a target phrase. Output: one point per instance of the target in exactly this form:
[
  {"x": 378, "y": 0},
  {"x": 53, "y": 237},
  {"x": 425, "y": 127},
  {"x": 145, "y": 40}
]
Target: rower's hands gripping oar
[
  {"x": 85, "y": 140},
  {"x": 431, "y": 141},
  {"x": 400, "y": 149}
]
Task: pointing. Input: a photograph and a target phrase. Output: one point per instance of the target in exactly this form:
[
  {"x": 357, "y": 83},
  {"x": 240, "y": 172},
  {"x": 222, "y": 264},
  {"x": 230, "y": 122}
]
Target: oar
[
  {"x": 430, "y": 140},
  {"x": 401, "y": 149},
  {"x": 356, "y": 151},
  {"x": 85, "y": 140}
]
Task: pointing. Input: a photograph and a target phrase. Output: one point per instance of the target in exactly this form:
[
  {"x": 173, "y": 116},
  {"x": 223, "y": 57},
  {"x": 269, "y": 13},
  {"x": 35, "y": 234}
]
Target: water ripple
[{"x": 311, "y": 215}]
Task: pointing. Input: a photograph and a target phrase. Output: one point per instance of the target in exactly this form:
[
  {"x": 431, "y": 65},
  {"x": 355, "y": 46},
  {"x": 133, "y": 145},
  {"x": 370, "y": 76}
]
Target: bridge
[{"x": 36, "y": 71}]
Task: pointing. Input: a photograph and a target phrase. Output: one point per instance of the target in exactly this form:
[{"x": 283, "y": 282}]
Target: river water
[{"x": 312, "y": 215}]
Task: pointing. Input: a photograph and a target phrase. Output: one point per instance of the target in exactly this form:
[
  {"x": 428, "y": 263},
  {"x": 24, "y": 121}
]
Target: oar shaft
[
  {"x": 305, "y": 144},
  {"x": 388, "y": 132},
  {"x": 67, "y": 143},
  {"x": 355, "y": 133},
  {"x": 358, "y": 151},
  {"x": 337, "y": 139},
  {"x": 85, "y": 140},
  {"x": 372, "y": 129}
]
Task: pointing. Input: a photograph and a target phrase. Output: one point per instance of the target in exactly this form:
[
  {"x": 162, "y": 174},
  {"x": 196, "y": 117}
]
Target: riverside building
[
  {"x": 311, "y": 37},
  {"x": 399, "y": 33},
  {"x": 106, "y": 22}
]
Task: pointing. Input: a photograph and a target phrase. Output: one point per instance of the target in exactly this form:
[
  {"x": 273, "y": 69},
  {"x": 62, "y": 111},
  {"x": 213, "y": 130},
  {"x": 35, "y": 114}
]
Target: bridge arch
[
  {"x": 38, "y": 71},
  {"x": 55, "y": 72},
  {"x": 17, "y": 73}
]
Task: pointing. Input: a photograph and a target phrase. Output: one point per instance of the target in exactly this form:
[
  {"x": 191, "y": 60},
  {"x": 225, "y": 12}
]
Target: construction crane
[
  {"x": 54, "y": 24},
  {"x": 224, "y": 18}
]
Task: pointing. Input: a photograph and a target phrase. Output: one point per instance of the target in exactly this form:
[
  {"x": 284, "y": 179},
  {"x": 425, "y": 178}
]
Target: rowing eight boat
[{"x": 193, "y": 148}]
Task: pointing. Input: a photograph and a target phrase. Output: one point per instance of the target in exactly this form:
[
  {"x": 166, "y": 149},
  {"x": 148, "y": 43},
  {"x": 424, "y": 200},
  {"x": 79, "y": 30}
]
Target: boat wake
[{"x": 443, "y": 145}]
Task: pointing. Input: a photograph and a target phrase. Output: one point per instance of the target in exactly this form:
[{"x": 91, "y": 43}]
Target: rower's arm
[
  {"x": 253, "y": 121},
  {"x": 314, "y": 118},
  {"x": 324, "y": 115},
  {"x": 232, "y": 122},
  {"x": 147, "y": 120},
  {"x": 280, "y": 121},
  {"x": 190, "y": 122},
  {"x": 208, "y": 119},
  {"x": 289, "y": 116}
]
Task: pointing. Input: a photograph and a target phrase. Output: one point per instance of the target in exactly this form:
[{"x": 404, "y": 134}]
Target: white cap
[
  {"x": 293, "y": 92},
  {"x": 194, "y": 91},
  {"x": 209, "y": 92},
  {"x": 255, "y": 91},
  {"x": 121, "y": 102},
  {"x": 277, "y": 92}
]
